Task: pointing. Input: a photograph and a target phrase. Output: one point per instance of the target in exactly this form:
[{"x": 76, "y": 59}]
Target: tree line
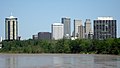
[{"x": 108, "y": 46}]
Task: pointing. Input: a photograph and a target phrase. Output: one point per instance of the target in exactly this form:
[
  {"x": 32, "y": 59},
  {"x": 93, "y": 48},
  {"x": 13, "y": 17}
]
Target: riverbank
[{"x": 56, "y": 54}]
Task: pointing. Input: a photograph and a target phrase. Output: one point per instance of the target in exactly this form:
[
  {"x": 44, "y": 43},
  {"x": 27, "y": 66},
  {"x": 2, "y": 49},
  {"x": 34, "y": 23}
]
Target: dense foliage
[{"x": 108, "y": 46}]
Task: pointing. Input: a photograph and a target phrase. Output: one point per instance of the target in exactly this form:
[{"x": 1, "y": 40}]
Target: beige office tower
[
  {"x": 81, "y": 32},
  {"x": 11, "y": 28},
  {"x": 77, "y": 23},
  {"x": 88, "y": 28}
]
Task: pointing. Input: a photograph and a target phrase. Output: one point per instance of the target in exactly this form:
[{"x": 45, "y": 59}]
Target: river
[{"x": 59, "y": 61}]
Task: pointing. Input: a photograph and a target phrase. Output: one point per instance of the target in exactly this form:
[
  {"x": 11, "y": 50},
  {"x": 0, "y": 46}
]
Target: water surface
[{"x": 59, "y": 61}]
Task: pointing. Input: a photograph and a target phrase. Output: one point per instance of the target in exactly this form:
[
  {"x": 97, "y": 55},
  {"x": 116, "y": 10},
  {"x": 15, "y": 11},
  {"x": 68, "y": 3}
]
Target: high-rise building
[
  {"x": 88, "y": 28},
  {"x": 77, "y": 23},
  {"x": 11, "y": 28},
  {"x": 57, "y": 31},
  {"x": 67, "y": 27},
  {"x": 44, "y": 35},
  {"x": 81, "y": 32},
  {"x": 105, "y": 27}
]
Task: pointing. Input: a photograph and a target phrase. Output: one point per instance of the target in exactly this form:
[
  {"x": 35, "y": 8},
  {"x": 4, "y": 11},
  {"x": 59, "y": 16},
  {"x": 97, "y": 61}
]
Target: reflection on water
[
  {"x": 11, "y": 62},
  {"x": 58, "y": 61}
]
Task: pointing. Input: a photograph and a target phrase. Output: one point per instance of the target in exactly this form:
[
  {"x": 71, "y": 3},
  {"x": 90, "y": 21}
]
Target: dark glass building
[
  {"x": 104, "y": 28},
  {"x": 44, "y": 35}
]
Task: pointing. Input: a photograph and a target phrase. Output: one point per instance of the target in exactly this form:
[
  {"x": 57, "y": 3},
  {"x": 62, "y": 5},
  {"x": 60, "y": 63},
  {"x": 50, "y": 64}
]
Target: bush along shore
[{"x": 108, "y": 46}]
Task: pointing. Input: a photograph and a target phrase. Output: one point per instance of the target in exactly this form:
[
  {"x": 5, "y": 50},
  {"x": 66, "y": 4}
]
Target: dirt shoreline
[{"x": 53, "y": 54}]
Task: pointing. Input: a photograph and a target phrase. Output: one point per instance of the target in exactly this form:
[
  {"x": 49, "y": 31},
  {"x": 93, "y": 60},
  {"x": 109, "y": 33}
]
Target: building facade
[
  {"x": 67, "y": 27},
  {"x": 57, "y": 31},
  {"x": 44, "y": 35},
  {"x": 35, "y": 37},
  {"x": 105, "y": 27},
  {"x": 11, "y": 28},
  {"x": 81, "y": 32},
  {"x": 88, "y": 28},
  {"x": 77, "y": 23}
]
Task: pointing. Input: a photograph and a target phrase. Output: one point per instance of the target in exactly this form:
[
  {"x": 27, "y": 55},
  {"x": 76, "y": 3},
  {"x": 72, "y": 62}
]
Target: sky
[{"x": 37, "y": 15}]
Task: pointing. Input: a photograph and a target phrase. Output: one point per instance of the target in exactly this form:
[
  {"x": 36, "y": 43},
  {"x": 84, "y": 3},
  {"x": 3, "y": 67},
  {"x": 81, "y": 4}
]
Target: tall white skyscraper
[
  {"x": 76, "y": 24},
  {"x": 11, "y": 28},
  {"x": 57, "y": 31},
  {"x": 88, "y": 28}
]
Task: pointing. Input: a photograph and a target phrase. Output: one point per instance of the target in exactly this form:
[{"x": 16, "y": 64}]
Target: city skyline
[{"x": 37, "y": 16}]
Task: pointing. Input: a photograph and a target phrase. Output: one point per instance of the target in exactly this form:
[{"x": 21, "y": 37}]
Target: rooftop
[
  {"x": 57, "y": 24},
  {"x": 105, "y": 18},
  {"x": 11, "y": 17}
]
